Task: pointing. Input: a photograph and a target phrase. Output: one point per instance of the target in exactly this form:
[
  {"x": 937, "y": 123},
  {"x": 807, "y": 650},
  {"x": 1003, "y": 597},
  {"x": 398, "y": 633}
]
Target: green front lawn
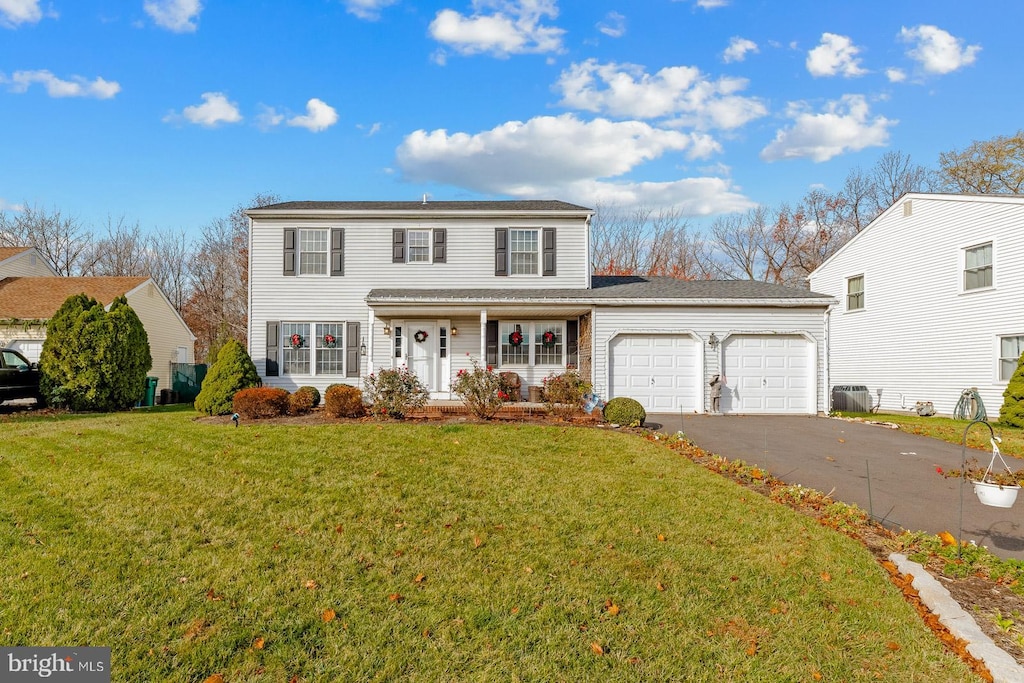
[{"x": 443, "y": 553}]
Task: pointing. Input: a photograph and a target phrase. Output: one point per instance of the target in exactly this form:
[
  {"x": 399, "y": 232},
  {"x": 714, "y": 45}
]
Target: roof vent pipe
[{"x": 424, "y": 197}]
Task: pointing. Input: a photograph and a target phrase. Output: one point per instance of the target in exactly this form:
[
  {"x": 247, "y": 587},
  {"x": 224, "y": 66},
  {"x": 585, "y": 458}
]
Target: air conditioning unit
[{"x": 851, "y": 398}]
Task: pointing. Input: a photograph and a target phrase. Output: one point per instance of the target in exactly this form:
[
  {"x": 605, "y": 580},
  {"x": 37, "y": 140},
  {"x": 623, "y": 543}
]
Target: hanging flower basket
[
  {"x": 996, "y": 495},
  {"x": 330, "y": 341},
  {"x": 420, "y": 336},
  {"x": 548, "y": 339},
  {"x": 297, "y": 341},
  {"x": 515, "y": 338}
]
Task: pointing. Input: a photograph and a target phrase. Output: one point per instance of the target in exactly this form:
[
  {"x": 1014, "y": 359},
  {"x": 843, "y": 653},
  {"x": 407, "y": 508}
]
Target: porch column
[{"x": 483, "y": 335}]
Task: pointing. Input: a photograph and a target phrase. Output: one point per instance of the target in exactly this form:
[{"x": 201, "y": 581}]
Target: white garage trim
[
  {"x": 775, "y": 375},
  {"x": 672, "y": 373},
  {"x": 30, "y": 348}
]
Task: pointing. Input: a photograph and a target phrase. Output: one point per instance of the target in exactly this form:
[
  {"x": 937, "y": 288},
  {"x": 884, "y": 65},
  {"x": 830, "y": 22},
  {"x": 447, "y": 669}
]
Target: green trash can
[{"x": 149, "y": 399}]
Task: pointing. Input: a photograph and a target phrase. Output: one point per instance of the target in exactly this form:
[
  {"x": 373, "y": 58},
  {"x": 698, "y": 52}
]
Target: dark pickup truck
[{"x": 18, "y": 377}]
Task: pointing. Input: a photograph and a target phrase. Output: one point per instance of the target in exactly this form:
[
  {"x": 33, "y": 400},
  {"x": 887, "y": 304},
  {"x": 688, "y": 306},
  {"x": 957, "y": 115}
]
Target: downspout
[
  {"x": 589, "y": 262},
  {"x": 248, "y": 304},
  {"x": 828, "y": 360}
]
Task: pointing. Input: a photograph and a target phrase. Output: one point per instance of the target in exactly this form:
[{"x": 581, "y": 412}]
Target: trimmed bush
[
  {"x": 232, "y": 372},
  {"x": 394, "y": 392},
  {"x": 481, "y": 389},
  {"x": 563, "y": 394},
  {"x": 313, "y": 392},
  {"x": 300, "y": 402},
  {"x": 341, "y": 400},
  {"x": 625, "y": 411},
  {"x": 1012, "y": 412},
  {"x": 261, "y": 402},
  {"x": 94, "y": 359}
]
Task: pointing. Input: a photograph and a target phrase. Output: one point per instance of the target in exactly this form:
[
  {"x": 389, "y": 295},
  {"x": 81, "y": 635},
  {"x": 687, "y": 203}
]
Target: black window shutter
[
  {"x": 273, "y": 349},
  {"x": 572, "y": 342},
  {"x": 289, "y": 251},
  {"x": 440, "y": 245},
  {"x": 398, "y": 245},
  {"x": 492, "y": 343},
  {"x": 337, "y": 251},
  {"x": 501, "y": 251},
  {"x": 549, "y": 251},
  {"x": 352, "y": 349}
]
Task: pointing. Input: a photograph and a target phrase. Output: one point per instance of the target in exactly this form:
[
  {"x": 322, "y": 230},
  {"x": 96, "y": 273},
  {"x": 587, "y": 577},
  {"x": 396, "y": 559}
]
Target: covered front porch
[{"x": 435, "y": 336}]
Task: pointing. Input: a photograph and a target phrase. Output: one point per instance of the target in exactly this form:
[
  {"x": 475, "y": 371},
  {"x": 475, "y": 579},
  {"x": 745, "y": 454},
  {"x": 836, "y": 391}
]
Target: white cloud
[
  {"x": 178, "y": 16},
  {"x": 614, "y": 25},
  {"x": 895, "y": 75},
  {"x": 268, "y": 118},
  {"x": 513, "y": 27},
  {"x": 738, "y": 49},
  {"x": 215, "y": 109},
  {"x": 77, "y": 86},
  {"x": 16, "y": 12},
  {"x": 319, "y": 116},
  {"x": 7, "y": 206},
  {"x": 367, "y": 9},
  {"x": 844, "y": 126},
  {"x": 682, "y": 92},
  {"x": 835, "y": 55},
  {"x": 563, "y": 156},
  {"x": 937, "y": 51},
  {"x": 371, "y": 130}
]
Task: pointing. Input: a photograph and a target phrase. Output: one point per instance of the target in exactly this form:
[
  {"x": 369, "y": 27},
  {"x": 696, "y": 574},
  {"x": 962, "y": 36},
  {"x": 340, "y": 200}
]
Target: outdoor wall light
[
  {"x": 362, "y": 347},
  {"x": 713, "y": 341},
  {"x": 455, "y": 332},
  {"x": 387, "y": 330}
]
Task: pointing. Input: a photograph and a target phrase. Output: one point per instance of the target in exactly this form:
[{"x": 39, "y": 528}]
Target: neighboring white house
[
  {"x": 27, "y": 303},
  {"x": 930, "y": 301},
  {"x": 340, "y": 289}
]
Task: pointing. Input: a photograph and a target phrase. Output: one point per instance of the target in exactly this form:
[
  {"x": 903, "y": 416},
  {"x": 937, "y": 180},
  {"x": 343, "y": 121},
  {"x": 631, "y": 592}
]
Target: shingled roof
[
  {"x": 609, "y": 288},
  {"x": 425, "y": 207},
  {"x": 32, "y": 298},
  {"x": 8, "y": 252}
]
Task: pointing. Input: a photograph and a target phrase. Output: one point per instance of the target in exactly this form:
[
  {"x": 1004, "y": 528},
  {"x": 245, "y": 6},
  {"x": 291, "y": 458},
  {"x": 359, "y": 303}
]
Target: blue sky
[{"x": 172, "y": 112}]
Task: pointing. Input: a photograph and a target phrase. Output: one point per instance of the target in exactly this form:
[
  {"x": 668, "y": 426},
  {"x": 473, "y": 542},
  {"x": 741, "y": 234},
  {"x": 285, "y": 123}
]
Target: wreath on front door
[
  {"x": 420, "y": 336},
  {"x": 515, "y": 338}
]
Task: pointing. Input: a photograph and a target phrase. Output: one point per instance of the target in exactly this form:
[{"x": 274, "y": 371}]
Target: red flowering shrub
[
  {"x": 481, "y": 389},
  {"x": 260, "y": 402}
]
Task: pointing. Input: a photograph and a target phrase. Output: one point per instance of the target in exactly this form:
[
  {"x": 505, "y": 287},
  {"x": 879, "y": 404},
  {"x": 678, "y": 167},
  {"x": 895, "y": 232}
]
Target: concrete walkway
[{"x": 887, "y": 472}]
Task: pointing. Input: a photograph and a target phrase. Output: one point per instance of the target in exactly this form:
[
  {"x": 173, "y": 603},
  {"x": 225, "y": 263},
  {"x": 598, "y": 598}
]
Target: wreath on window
[
  {"x": 515, "y": 338},
  {"x": 330, "y": 341},
  {"x": 420, "y": 336},
  {"x": 548, "y": 338},
  {"x": 297, "y": 341}
]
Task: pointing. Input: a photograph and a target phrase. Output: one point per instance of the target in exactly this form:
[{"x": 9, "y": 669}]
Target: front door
[{"x": 423, "y": 353}]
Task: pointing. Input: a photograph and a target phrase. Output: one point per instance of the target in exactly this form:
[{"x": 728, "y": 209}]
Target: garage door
[
  {"x": 767, "y": 374},
  {"x": 659, "y": 371},
  {"x": 30, "y": 348}
]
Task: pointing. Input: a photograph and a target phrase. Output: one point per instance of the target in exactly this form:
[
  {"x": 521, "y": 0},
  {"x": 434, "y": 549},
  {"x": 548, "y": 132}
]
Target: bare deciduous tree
[
  {"x": 122, "y": 252},
  {"x": 61, "y": 240}
]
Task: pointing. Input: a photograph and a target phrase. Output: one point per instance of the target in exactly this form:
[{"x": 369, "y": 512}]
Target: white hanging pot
[{"x": 996, "y": 495}]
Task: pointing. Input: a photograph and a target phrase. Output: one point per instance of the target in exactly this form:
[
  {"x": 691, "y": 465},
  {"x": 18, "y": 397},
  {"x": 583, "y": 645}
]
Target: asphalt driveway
[{"x": 889, "y": 473}]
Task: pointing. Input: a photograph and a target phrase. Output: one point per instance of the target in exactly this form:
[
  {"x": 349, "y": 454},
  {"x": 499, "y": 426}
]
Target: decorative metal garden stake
[
  {"x": 234, "y": 418},
  {"x": 963, "y": 478}
]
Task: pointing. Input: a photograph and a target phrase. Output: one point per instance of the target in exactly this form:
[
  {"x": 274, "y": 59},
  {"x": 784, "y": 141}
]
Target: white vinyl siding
[
  {"x": 313, "y": 252},
  {"x": 524, "y": 252},
  {"x": 166, "y": 330},
  {"x": 419, "y": 246},
  {"x": 978, "y": 267},
  {"x": 855, "y": 293},
  {"x": 923, "y": 338},
  {"x": 1010, "y": 350}
]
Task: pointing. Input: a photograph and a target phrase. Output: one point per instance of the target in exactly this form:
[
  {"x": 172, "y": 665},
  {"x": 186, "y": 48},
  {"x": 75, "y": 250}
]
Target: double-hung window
[
  {"x": 1010, "y": 350},
  {"x": 978, "y": 267},
  {"x": 419, "y": 246},
  {"x": 532, "y": 343},
  {"x": 524, "y": 252},
  {"x": 313, "y": 250},
  {"x": 855, "y": 293},
  {"x": 323, "y": 354}
]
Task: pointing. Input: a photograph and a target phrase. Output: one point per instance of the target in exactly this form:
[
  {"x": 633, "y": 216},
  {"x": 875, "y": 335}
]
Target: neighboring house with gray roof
[{"x": 340, "y": 289}]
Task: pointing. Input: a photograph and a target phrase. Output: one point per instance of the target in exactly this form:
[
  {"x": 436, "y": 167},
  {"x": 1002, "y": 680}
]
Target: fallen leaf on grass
[
  {"x": 210, "y": 595},
  {"x": 327, "y": 616},
  {"x": 947, "y": 538},
  {"x": 661, "y": 538},
  {"x": 477, "y": 542},
  {"x": 660, "y": 586},
  {"x": 312, "y": 585},
  {"x": 893, "y": 646},
  {"x": 215, "y": 678},
  {"x": 528, "y": 570},
  {"x": 420, "y": 578},
  {"x": 752, "y": 650},
  {"x": 339, "y": 529},
  {"x": 596, "y": 648},
  {"x": 825, "y": 576},
  {"x": 611, "y": 608},
  {"x": 258, "y": 644},
  {"x": 816, "y": 675},
  {"x": 396, "y": 597}
]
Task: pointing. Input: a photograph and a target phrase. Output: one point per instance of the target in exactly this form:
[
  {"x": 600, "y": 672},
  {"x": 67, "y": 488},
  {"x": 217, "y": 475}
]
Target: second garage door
[
  {"x": 767, "y": 374},
  {"x": 659, "y": 371}
]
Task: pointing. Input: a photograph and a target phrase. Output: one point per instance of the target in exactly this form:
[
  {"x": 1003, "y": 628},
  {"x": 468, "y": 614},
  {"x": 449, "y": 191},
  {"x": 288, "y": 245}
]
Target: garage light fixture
[{"x": 713, "y": 341}]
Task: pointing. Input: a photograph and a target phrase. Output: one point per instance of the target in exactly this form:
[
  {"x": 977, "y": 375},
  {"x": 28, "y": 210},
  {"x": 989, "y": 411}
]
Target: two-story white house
[
  {"x": 930, "y": 301},
  {"x": 340, "y": 289}
]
